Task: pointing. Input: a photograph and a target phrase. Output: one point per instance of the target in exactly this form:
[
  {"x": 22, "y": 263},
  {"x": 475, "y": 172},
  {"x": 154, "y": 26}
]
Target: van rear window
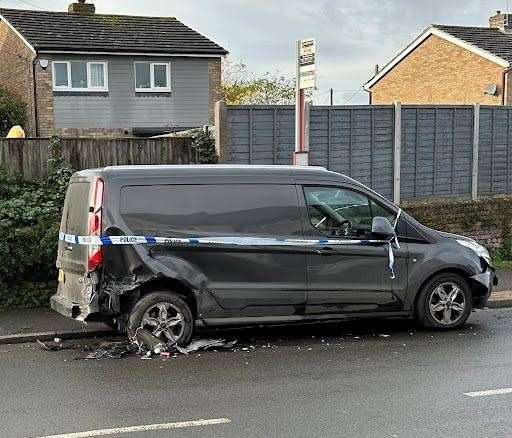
[
  {"x": 76, "y": 208},
  {"x": 190, "y": 210}
]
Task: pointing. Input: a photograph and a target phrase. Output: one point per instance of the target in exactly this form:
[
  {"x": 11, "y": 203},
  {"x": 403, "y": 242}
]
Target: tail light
[{"x": 95, "y": 256}]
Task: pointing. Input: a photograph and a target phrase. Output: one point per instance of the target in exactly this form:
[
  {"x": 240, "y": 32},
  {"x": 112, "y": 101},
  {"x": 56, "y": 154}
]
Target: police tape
[
  {"x": 239, "y": 241},
  {"x": 235, "y": 241}
]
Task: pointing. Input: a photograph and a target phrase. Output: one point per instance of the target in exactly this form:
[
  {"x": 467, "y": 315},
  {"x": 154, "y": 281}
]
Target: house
[
  {"x": 450, "y": 65},
  {"x": 86, "y": 74}
]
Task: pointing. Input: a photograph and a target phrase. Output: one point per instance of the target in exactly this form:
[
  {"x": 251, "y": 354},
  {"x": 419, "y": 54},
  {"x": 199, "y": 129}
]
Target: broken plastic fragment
[
  {"x": 206, "y": 344},
  {"x": 55, "y": 346},
  {"x": 110, "y": 350}
]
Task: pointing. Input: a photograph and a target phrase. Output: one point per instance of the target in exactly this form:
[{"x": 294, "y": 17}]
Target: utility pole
[
  {"x": 332, "y": 97},
  {"x": 306, "y": 78}
]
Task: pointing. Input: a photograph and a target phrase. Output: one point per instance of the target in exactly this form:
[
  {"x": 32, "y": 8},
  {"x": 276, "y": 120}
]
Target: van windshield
[{"x": 76, "y": 207}]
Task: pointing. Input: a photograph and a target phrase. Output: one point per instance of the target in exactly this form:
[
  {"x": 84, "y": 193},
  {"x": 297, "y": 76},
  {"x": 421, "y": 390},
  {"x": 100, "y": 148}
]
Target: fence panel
[
  {"x": 494, "y": 157},
  {"x": 436, "y": 153},
  {"x": 356, "y": 141},
  {"x": 29, "y": 156},
  {"x": 260, "y": 134}
]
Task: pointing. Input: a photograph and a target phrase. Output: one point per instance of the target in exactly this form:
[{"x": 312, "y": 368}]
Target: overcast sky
[{"x": 352, "y": 35}]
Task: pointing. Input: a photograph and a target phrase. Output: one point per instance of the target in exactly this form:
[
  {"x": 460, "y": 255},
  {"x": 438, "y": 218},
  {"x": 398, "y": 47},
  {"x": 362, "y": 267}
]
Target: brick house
[
  {"x": 86, "y": 74},
  {"x": 450, "y": 65}
]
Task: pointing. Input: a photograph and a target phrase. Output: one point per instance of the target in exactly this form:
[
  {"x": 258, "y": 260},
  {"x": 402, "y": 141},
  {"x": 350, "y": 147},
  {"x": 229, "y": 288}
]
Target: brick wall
[
  {"x": 44, "y": 90},
  {"x": 486, "y": 220},
  {"x": 16, "y": 71},
  {"x": 439, "y": 72},
  {"x": 215, "y": 91}
]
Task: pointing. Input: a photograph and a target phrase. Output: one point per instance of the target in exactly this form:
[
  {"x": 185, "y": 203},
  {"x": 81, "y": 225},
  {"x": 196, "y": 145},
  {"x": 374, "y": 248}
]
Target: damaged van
[{"x": 174, "y": 248}]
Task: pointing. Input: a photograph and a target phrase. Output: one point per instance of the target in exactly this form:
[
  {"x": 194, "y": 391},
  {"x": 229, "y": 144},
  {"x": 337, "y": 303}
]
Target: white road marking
[
  {"x": 145, "y": 428},
  {"x": 489, "y": 392}
]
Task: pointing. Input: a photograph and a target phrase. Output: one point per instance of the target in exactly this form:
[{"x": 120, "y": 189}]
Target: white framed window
[
  {"x": 152, "y": 76},
  {"x": 79, "y": 75}
]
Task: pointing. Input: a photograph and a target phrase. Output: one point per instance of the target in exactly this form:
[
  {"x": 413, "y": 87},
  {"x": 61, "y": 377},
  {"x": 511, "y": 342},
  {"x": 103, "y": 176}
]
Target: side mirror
[{"x": 382, "y": 228}]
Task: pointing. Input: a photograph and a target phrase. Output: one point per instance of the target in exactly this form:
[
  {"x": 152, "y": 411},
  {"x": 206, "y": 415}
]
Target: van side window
[
  {"x": 379, "y": 210},
  {"x": 339, "y": 212}
]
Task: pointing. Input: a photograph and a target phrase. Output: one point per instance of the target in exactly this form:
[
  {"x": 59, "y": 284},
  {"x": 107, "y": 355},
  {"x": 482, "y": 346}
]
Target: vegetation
[
  {"x": 29, "y": 225},
  {"x": 12, "y": 112},
  {"x": 205, "y": 145},
  {"x": 241, "y": 87}
]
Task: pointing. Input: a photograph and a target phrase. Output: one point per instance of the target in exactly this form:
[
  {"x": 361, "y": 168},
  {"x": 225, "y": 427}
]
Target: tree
[
  {"x": 241, "y": 87},
  {"x": 12, "y": 112}
]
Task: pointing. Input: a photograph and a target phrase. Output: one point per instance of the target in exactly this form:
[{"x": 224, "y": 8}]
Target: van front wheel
[
  {"x": 445, "y": 302},
  {"x": 165, "y": 315}
]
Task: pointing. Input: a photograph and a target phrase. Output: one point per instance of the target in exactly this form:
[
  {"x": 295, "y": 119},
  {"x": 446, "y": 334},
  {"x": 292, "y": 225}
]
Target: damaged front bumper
[{"x": 488, "y": 280}]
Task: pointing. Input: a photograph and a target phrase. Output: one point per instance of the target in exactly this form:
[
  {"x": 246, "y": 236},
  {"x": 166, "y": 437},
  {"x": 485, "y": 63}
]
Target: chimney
[
  {"x": 501, "y": 21},
  {"x": 82, "y": 8}
]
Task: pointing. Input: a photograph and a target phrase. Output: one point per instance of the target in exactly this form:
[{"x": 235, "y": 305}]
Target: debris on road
[
  {"x": 111, "y": 350},
  {"x": 55, "y": 345},
  {"x": 206, "y": 344}
]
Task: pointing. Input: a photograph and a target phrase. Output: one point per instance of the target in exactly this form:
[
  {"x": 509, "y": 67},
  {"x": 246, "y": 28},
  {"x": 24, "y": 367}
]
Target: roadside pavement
[{"x": 29, "y": 325}]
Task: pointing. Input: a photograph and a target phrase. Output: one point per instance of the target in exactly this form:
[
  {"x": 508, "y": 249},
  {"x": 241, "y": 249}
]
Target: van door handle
[
  {"x": 68, "y": 248},
  {"x": 327, "y": 251}
]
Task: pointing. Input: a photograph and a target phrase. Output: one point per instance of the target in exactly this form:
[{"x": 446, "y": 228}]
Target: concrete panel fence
[
  {"x": 401, "y": 151},
  {"x": 28, "y": 156}
]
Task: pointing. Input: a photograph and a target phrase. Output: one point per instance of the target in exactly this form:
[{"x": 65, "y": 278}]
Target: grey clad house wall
[{"x": 187, "y": 105}]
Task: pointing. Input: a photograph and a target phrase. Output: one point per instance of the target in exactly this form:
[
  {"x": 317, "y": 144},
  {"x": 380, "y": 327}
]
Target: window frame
[
  {"x": 89, "y": 88},
  {"x": 339, "y": 187},
  {"x": 152, "y": 88}
]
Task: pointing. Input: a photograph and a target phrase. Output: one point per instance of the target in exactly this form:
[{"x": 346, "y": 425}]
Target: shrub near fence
[
  {"x": 30, "y": 205},
  {"x": 29, "y": 156}
]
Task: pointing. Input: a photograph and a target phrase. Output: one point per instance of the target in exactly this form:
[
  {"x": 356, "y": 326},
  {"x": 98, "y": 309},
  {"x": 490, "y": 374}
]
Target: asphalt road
[{"x": 314, "y": 381}]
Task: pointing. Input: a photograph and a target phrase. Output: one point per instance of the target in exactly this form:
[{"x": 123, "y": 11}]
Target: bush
[
  {"x": 12, "y": 112},
  {"x": 205, "y": 144},
  {"x": 29, "y": 226}
]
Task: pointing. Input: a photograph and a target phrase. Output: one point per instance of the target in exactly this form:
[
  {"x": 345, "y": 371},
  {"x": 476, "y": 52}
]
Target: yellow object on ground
[{"x": 16, "y": 132}]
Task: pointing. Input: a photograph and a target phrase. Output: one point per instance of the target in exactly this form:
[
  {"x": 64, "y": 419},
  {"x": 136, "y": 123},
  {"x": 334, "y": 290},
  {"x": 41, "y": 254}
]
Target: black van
[{"x": 223, "y": 245}]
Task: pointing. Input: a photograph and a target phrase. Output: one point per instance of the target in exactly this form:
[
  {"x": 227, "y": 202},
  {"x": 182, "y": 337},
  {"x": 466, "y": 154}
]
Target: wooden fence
[{"x": 29, "y": 156}]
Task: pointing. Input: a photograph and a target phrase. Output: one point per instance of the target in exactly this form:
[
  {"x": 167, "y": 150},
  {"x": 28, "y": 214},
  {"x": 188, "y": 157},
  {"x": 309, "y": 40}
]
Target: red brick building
[{"x": 450, "y": 65}]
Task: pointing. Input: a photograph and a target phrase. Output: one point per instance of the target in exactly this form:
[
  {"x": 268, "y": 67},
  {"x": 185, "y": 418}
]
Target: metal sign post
[{"x": 306, "y": 78}]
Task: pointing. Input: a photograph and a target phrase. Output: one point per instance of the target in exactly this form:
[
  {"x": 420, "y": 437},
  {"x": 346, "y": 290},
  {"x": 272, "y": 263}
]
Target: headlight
[{"x": 479, "y": 249}]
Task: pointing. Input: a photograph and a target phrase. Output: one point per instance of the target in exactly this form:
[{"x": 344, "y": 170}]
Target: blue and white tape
[
  {"x": 239, "y": 241},
  {"x": 242, "y": 241}
]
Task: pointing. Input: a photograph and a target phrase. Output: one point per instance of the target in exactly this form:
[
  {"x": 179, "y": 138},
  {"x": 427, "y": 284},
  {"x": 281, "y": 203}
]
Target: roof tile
[{"x": 107, "y": 33}]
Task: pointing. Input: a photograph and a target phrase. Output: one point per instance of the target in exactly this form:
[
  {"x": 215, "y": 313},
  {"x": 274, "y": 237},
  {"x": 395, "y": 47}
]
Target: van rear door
[{"x": 72, "y": 259}]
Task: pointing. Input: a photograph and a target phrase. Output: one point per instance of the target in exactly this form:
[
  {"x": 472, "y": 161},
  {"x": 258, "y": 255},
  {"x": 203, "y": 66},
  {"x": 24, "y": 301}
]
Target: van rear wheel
[
  {"x": 165, "y": 315},
  {"x": 445, "y": 302}
]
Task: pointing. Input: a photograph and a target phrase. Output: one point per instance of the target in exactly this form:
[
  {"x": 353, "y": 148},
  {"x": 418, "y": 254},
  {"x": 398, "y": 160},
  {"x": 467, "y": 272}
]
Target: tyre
[
  {"x": 165, "y": 315},
  {"x": 444, "y": 303}
]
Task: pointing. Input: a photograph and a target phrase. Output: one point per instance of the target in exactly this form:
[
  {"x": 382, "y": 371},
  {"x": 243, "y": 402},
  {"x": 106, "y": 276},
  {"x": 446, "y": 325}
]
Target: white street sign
[{"x": 307, "y": 68}]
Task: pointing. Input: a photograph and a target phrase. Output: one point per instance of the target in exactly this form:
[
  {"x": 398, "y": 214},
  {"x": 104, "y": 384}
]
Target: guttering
[
  {"x": 166, "y": 55},
  {"x": 34, "y": 88},
  {"x": 504, "y": 100}
]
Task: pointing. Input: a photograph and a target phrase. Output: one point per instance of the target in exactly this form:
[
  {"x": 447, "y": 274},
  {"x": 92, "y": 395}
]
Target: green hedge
[
  {"x": 29, "y": 225},
  {"x": 12, "y": 112}
]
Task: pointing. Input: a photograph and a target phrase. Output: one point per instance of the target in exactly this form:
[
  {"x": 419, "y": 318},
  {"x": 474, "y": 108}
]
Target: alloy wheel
[
  {"x": 447, "y": 303},
  {"x": 164, "y": 321}
]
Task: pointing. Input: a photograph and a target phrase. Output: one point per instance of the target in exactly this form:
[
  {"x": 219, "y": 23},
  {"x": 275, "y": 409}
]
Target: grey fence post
[
  {"x": 221, "y": 131},
  {"x": 476, "y": 142},
  {"x": 397, "y": 147}
]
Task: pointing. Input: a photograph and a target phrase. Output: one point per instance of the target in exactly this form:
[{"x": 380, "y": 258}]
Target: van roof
[
  {"x": 203, "y": 170},
  {"x": 217, "y": 168}
]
